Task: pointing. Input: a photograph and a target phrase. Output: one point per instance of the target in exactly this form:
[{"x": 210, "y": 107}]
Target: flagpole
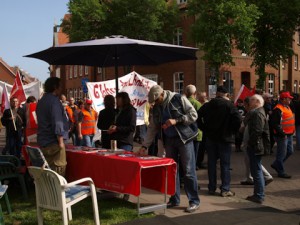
[{"x": 13, "y": 119}]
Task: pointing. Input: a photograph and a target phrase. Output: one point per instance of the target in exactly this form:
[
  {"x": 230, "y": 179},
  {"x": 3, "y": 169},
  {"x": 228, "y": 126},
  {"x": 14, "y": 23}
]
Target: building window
[
  {"x": 181, "y": 1},
  {"x": 57, "y": 72},
  {"x": 70, "y": 93},
  {"x": 295, "y": 86},
  {"x": 86, "y": 70},
  {"x": 71, "y": 71},
  {"x": 178, "y": 40},
  {"x": 99, "y": 70},
  {"x": 75, "y": 71},
  {"x": 296, "y": 62},
  {"x": 298, "y": 39},
  {"x": 75, "y": 93},
  {"x": 80, "y": 71},
  {"x": 153, "y": 77},
  {"x": 80, "y": 93},
  {"x": 271, "y": 83},
  {"x": 178, "y": 78},
  {"x": 227, "y": 81}
]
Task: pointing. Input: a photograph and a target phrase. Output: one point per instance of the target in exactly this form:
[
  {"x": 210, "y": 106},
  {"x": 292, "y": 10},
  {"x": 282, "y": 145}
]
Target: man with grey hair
[
  {"x": 191, "y": 92},
  {"x": 257, "y": 145},
  {"x": 174, "y": 118}
]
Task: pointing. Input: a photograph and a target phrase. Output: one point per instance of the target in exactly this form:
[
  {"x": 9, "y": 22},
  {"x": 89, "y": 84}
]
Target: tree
[
  {"x": 221, "y": 26},
  {"x": 153, "y": 20},
  {"x": 274, "y": 32}
]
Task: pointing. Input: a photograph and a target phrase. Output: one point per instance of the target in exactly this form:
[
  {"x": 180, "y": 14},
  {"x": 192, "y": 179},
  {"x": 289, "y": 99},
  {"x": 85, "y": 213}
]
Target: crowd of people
[{"x": 182, "y": 127}]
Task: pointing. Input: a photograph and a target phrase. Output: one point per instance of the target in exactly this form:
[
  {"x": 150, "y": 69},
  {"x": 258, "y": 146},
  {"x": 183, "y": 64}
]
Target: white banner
[
  {"x": 134, "y": 84},
  {"x": 30, "y": 89}
]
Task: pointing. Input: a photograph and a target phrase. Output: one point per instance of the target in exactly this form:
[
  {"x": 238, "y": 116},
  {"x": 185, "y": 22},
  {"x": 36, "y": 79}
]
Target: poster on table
[{"x": 134, "y": 84}]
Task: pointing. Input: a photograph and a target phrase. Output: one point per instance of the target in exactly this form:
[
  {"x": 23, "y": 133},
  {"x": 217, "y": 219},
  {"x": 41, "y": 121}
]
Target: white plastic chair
[{"x": 54, "y": 193}]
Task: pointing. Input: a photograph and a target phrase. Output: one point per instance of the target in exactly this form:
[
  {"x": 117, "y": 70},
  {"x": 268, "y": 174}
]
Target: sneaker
[
  {"x": 284, "y": 175},
  {"x": 227, "y": 193},
  {"x": 247, "y": 182},
  {"x": 192, "y": 208},
  {"x": 268, "y": 181},
  {"x": 172, "y": 204},
  {"x": 255, "y": 199}
]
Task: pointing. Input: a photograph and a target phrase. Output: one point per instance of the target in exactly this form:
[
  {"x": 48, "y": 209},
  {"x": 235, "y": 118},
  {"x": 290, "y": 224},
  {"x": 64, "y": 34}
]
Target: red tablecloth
[{"x": 122, "y": 174}]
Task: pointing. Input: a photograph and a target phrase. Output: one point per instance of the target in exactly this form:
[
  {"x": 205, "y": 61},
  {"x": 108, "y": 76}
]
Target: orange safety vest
[
  {"x": 70, "y": 114},
  {"x": 88, "y": 122},
  {"x": 287, "y": 119}
]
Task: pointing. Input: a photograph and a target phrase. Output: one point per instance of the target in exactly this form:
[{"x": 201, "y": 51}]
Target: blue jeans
[
  {"x": 14, "y": 143},
  {"x": 87, "y": 140},
  {"x": 257, "y": 174},
  {"x": 176, "y": 150},
  {"x": 298, "y": 137},
  {"x": 196, "y": 147},
  {"x": 216, "y": 150},
  {"x": 284, "y": 151}
]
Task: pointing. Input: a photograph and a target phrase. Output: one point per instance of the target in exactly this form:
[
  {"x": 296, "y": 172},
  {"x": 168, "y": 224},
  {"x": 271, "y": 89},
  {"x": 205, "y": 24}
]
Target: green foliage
[
  {"x": 221, "y": 26},
  {"x": 274, "y": 34},
  {"x": 148, "y": 19},
  {"x": 263, "y": 29}
]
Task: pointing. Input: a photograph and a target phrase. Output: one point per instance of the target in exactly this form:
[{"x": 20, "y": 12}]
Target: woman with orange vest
[
  {"x": 87, "y": 124},
  {"x": 283, "y": 124}
]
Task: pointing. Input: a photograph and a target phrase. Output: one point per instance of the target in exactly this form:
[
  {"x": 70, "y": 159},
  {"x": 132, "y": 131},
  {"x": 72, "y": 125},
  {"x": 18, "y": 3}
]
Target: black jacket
[
  {"x": 258, "y": 128},
  {"x": 106, "y": 118},
  {"x": 125, "y": 122},
  {"x": 20, "y": 120},
  {"x": 219, "y": 119}
]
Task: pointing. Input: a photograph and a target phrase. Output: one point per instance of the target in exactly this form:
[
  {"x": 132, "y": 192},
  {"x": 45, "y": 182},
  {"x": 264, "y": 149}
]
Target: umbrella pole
[{"x": 117, "y": 78}]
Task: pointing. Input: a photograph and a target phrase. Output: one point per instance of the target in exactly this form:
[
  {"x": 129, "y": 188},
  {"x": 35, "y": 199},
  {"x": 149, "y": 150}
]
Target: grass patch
[{"x": 111, "y": 211}]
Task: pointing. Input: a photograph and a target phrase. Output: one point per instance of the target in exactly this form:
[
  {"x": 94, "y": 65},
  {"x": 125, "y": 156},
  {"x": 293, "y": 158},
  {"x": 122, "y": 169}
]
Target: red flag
[
  {"x": 243, "y": 93},
  {"x": 18, "y": 90},
  {"x": 5, "y": 99}
]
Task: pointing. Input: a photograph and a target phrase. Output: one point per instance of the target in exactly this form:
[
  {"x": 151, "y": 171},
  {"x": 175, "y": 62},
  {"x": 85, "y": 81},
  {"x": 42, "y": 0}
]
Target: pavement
[{"x": 281, "y": 205}]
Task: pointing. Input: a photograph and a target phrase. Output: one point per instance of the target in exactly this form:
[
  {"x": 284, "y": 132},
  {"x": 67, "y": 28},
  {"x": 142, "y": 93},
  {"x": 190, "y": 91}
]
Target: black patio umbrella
[{"x": 115, "y": 51}]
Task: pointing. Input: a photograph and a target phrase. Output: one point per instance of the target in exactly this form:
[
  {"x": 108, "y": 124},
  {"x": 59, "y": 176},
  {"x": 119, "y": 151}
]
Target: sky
[{"x": 26, "y": 26}]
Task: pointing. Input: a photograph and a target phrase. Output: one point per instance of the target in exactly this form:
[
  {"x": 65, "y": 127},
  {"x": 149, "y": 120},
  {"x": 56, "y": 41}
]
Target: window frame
[{"x": 180, "y": 82}]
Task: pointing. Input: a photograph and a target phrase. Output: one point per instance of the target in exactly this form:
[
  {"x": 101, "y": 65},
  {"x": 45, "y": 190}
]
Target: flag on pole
[
  {"x": 5, "y": 100},
  {"x": 243, "y": 93},
  {"x": 18, "y": 90}
]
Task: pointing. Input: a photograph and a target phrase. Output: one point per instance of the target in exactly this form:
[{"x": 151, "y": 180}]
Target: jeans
[
  {"x": 183, "y": 154},
  {"x": 196, "y": 148},
  {"x": 87, "y": 140},
  {"x": 284, "y": 151},
  {"x": 257, "y": 174},
  {"x": 216, "y": 150},
  {"x": 298, "y": 137},
  {"x": 14, "y": 143}
]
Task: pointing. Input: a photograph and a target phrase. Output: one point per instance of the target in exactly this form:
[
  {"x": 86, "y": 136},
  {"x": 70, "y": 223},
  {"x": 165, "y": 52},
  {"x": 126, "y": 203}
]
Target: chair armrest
[{"x": 86, "y": 179}]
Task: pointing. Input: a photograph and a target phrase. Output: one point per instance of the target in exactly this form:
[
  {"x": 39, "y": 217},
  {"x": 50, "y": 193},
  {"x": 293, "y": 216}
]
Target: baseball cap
[
  {"x": 89, "y": 101},
  {"x": 154, "y": 93},
  {"x": 222, "y": 89},
  {"x": 286, "y": 95}
]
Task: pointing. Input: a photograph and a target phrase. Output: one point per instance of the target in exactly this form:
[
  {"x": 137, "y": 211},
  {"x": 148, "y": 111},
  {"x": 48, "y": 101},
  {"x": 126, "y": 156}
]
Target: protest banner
[{"x": 134, "y": 84}]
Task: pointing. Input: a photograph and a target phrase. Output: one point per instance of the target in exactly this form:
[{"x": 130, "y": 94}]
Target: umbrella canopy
[{"x": 115, "y": 51}]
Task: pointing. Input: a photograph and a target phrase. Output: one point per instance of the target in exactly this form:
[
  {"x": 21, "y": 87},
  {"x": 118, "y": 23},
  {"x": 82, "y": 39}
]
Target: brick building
[{"x": 175, "y": 76}]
